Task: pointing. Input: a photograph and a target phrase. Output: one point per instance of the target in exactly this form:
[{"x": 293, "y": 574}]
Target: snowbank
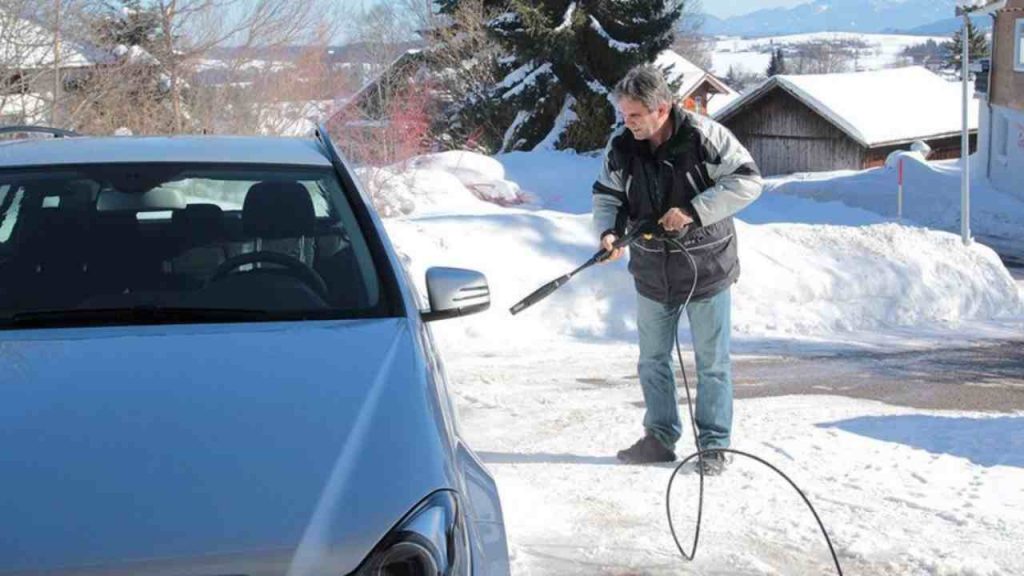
[
  {"x": 931, "y": 195},
  {"x": 446, "y": 183},
  {"x": 799, "y": 280}
]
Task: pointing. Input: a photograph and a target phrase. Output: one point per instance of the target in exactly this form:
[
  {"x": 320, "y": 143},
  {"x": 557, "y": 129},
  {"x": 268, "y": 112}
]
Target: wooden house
[
  {"x": 698, "y": 89},
  {"x": 853, "y": 121}
]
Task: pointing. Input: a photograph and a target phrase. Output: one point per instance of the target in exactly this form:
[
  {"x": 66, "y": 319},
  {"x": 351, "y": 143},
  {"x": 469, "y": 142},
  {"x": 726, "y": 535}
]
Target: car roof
[{"x": 35, "y": 152}]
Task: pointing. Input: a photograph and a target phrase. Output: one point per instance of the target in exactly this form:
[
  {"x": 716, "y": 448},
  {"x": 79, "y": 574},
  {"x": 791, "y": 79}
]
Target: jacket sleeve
[
  {"x": 737, "y": 180},
  {"x": 610, "y": 203}
]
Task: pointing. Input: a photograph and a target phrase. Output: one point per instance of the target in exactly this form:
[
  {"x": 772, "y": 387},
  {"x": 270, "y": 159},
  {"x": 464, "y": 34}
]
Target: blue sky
[
  {"x": 719, "y": 8},
  {"x": 727, "y": 8}
]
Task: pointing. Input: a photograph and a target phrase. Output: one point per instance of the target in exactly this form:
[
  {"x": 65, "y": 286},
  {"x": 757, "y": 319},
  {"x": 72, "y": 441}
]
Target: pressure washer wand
[{"x": 601, "y": 255}]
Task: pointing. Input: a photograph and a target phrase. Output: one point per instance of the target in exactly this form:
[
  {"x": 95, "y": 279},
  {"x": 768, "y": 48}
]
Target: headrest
[
  {"x": 278, "y": 210},
  {"x": 200, "y": 223}
]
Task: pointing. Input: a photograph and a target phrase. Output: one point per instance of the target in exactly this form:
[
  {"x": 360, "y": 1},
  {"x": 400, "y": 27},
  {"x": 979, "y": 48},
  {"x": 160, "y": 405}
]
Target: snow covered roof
[
  {"x": 877, "y": 107},
  {"x": 984, "y": 6},
  {"x": 29, "y": 45},
  {"x": 688, "y": 74}
]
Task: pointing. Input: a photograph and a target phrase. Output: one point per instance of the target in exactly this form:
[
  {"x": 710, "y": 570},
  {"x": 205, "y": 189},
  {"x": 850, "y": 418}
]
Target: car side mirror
[{"x": 453, "y": 292}]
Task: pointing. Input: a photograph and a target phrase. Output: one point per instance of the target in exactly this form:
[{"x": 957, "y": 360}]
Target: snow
[
  {"x": 689, "y": 75},
  {"x": 440, "y": 185},
  {"x": 878, "y": 107},
  {"x": 292, "y": 118},
  {"x": 901, "y": 491},
  {"x": 565, "y": 117},
  {"x": 135, "y": 55},
  {"x": 881, "y": 51},
  {"x": 567, "y": 20},
  {"x": 919, "y": 277},
  {"x": 517, "y": 76},
  {"x": 26, "y": 108},
  {"x": 519, "y": 85},
  {"x": 28, "y": 45},
  {"x": 615, "y": 44},
  {"x": 510, "y": 133},
  {"x": 547, "y": 397},
  {"x": 931, "y": 195},
  {"x": 719, "y": 101}
]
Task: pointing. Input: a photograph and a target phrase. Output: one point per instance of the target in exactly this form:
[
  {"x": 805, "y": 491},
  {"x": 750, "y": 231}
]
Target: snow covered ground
[
  {"x": 901, "y": 491},
  {"x": 880, "y": 51},
  {"x": 548, "y": 396},
  {"x": 931, "y": 197}
]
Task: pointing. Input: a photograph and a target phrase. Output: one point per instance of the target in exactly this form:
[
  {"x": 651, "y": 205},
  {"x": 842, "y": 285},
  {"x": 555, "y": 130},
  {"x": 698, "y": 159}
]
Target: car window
[
  {"x": 10, "y": 206},
  {"x": 192, "y": 243}
]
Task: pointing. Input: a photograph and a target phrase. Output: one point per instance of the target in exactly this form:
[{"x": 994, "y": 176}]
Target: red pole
[{"x": 899, "y": 197}]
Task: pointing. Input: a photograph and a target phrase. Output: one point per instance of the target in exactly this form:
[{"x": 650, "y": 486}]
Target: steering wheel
[{"x": 292, "y": 266}]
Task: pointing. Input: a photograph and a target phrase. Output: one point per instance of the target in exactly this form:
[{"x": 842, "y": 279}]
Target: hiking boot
[
  {"x": 647, "y": 450},
  {"x": 713, "y": 464}
]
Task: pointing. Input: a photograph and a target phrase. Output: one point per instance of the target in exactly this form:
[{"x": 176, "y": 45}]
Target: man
[{"x": 690, "y": 175}]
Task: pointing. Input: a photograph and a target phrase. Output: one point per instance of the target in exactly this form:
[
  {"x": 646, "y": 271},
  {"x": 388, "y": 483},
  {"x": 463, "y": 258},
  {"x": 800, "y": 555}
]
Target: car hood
[{"x": 179, "y": 446}]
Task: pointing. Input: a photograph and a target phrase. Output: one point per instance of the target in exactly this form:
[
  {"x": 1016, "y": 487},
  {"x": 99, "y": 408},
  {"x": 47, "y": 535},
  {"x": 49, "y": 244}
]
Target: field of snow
[
  {"x": 881, "y": 51},
  {"x": 548, "y": 396}
]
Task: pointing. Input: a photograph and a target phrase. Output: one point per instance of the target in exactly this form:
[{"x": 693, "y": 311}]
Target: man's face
[{"x": 642, "y": 121}]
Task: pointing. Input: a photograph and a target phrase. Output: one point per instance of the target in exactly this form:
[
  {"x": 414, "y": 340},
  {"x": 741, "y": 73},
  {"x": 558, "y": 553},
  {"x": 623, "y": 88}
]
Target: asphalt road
[{"x": 987, "y": 377}]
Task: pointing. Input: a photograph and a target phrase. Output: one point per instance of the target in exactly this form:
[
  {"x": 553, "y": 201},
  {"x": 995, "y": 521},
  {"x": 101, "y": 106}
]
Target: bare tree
[
  {"x": 823, "y": 57},
  {"x": 375, "y": 120},
  {"x": 691, "y": 43},
  {"x": 467, "y": 64},
  {"x": 190, "y": 29},
  {"x": 32, "y": 57},
  {"x": 175, "y": 66},
  {"x": 740, "y": 79}
]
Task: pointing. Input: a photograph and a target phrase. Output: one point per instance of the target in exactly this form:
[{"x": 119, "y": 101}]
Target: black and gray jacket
[{"x": 703, "y": 170}]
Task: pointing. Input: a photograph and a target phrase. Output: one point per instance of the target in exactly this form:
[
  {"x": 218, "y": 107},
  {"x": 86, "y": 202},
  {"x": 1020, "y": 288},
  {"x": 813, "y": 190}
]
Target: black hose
[
  {"x": 551, "y": 287},
  {"x": 700, "y": 453}
]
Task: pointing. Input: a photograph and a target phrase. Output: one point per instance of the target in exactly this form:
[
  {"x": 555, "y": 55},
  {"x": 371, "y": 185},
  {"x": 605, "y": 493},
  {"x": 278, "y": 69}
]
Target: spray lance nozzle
[{"x": 645, "y": 228}]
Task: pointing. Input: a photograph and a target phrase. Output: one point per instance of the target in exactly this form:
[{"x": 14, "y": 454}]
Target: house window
[
  {"x": 1018, "y": 61},
  {"x": 1001, "y": 143}
]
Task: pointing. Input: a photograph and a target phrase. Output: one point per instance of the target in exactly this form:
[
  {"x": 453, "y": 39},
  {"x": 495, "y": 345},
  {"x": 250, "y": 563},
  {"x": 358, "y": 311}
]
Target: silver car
[{"x": 212, "y": 363}]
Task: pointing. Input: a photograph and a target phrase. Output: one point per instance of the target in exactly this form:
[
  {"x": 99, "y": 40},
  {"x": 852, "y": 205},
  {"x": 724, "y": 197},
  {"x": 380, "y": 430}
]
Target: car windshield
[{"x": 165, "y": 243}]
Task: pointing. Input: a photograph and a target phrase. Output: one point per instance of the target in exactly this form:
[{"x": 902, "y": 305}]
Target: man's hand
[
  {"x": 606, "y": 245},
  {"x": 675, "y": 220}
]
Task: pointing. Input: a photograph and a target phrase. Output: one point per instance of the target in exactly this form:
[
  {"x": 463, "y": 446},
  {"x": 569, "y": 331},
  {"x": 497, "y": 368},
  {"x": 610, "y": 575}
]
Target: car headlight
[{"x": 430, "y": 541}]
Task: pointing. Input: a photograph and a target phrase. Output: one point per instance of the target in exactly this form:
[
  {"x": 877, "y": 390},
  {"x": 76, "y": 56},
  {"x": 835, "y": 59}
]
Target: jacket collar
[{"x": 627, "y": 144}]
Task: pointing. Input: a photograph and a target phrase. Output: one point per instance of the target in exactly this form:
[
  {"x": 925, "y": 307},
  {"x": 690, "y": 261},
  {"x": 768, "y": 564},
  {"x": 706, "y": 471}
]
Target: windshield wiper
[{"x": 137, "y": 315}]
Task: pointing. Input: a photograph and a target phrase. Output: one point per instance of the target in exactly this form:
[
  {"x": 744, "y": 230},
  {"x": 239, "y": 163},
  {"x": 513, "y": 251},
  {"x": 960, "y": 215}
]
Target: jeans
[{"x": 710, "y": 327}]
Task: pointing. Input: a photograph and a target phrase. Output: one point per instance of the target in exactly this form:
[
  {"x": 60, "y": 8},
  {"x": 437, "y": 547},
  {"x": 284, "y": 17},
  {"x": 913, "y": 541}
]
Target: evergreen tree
[
  {"x": 565, "y": 58},
  {"x": 128, "y": 23},
  {"x": 449, "y": 7},
  {"x": 977, "y": 43},
  {"x": 777, "y": 65},
  {"x": 131, "y": 90}
]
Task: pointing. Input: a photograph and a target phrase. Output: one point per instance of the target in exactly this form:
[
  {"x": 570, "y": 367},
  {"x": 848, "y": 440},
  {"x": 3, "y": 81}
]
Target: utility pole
[
  {"x": 54, "y": 116},
  {"x": 964, "y": 9},
  {"x": 965, "y": 140}
]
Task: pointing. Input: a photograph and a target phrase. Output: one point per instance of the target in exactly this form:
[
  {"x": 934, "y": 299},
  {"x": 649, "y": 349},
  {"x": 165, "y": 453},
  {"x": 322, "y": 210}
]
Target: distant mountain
[
  {"x": 949, "y": 25},
  {"x": 355, "y": 53},
  {"x": 866, "y": 16}
]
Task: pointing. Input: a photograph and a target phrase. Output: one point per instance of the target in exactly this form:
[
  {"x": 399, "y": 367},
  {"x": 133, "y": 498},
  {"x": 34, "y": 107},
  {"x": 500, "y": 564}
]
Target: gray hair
[{"x": 645, "y": 84}]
